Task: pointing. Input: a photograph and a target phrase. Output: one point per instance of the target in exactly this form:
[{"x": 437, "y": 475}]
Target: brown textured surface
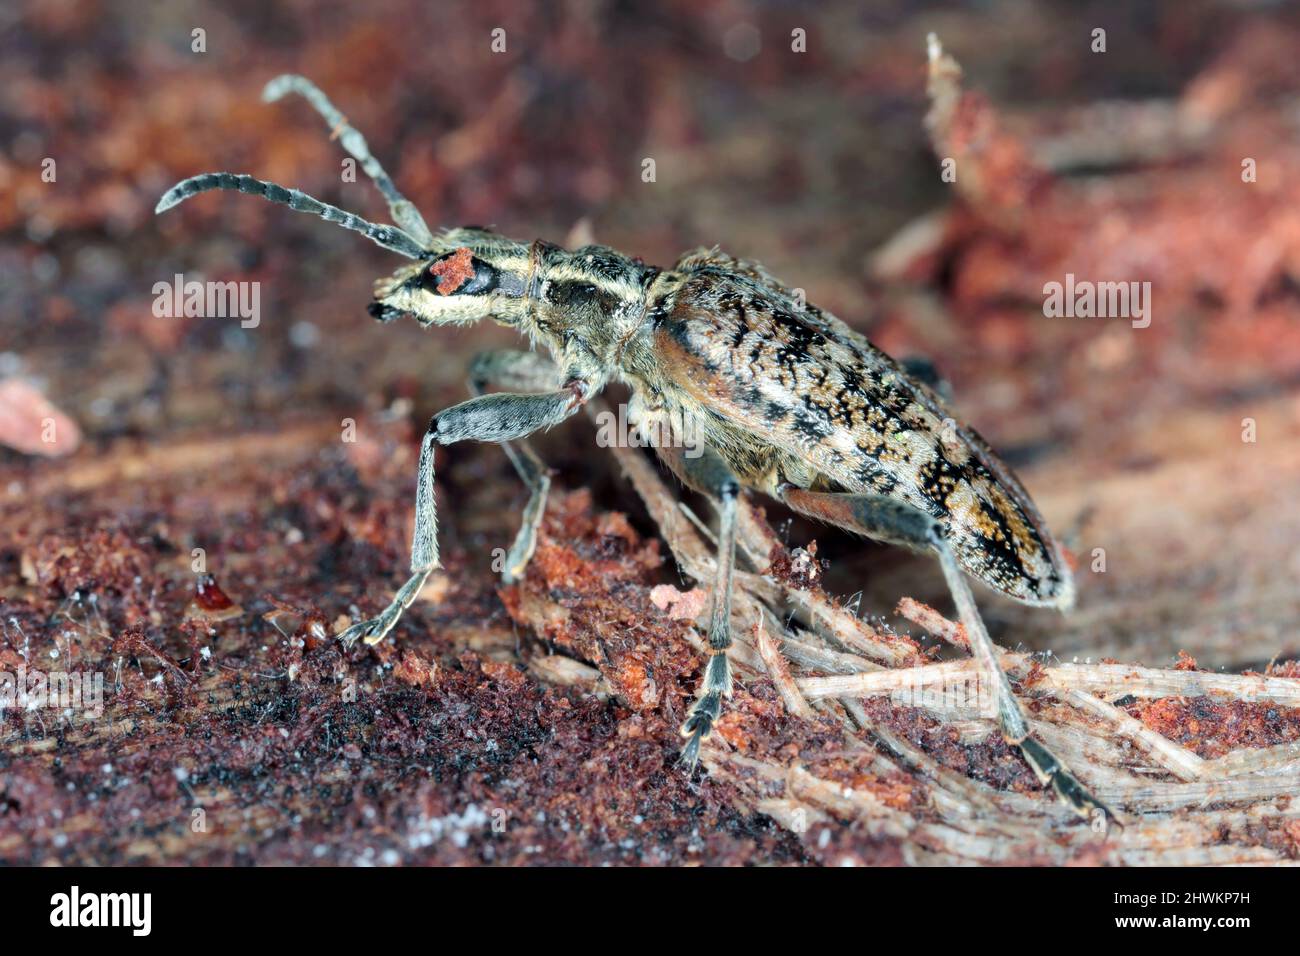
[
  {"x": 299, "y": 753},
  {"x": 555, "y": 702}
]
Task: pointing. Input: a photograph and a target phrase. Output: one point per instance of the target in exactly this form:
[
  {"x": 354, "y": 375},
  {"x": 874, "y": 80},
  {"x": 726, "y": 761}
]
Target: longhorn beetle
[{"x": 789, "y": 402}]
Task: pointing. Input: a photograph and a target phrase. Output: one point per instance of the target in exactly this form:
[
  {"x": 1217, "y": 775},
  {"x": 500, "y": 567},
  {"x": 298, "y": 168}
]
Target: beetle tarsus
[
  {"x": 709, "y": 473},
  {"x": 698, "y": 726},
  {"x": 704, "y": 713},
  {"x": 1051, "y": 771}
]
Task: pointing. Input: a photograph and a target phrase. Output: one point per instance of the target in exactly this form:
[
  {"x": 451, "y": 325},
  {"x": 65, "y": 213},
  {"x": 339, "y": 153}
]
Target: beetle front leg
[
  {"x": 896, "y": 522},
  {"x": 525, "y": 370},
  {"x": 495, "y": 418},
  {"x": 708, "y": 473}
]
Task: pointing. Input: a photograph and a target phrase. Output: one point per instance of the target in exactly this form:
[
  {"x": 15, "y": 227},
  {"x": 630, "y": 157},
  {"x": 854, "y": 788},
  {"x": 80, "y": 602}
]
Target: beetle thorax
[{"x": 585, "y": 305}]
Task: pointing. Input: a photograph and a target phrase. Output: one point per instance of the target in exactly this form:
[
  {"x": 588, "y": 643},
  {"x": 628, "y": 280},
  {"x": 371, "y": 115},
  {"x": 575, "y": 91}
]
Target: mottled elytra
[{"x": 787, "y": 399}]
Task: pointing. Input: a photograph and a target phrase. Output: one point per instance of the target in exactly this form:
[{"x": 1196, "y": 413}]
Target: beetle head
[
  {"x": 589, "y": 295},
  {"x": 473, "y": 274}
]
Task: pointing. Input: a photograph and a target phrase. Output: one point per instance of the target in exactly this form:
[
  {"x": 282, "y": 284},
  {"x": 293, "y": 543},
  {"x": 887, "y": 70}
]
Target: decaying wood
[
  {"x": 556, "y": 701},
  {"x": 1179, "y": 805}
]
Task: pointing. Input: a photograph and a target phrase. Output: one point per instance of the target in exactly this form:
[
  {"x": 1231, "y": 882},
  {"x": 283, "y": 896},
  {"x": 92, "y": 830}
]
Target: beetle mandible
[{"x": 787, "y": 399}]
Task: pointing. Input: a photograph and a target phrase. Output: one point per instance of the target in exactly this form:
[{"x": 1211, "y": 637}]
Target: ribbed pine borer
[{"x": 787, "y": 400}]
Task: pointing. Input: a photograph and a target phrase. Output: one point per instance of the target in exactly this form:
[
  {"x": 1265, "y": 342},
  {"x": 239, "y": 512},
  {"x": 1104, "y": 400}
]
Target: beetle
[{"x": 787, "y": 399}]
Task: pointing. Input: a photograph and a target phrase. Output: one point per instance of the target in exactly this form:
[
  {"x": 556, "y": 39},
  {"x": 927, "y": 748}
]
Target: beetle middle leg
[
  {"x": 709, "y": 474},
  {"x": 895, "y": 522},
  {"x": 510, "y": 368},
  {"x": 499, "y": 417}
]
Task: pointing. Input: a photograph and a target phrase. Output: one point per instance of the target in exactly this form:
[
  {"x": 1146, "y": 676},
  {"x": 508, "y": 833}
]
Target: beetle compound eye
[{"x": 459, "y": 273}]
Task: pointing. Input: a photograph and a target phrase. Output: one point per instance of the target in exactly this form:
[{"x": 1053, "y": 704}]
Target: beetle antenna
[
  {"x": 390, "y": 237},
  {"x": 403, "y": 210}
]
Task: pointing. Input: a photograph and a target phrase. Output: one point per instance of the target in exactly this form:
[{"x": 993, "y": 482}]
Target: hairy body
[
  {"x": 789, "y": 394},
  {"x": 788, "y": 400}
]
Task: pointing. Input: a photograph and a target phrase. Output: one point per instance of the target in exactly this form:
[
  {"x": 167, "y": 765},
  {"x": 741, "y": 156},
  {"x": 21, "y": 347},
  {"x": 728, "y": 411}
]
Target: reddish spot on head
[{"x": 453, "y": 271}]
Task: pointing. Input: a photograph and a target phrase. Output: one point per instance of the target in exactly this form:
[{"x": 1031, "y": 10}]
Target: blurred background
[{"x": 789, "y": 133}]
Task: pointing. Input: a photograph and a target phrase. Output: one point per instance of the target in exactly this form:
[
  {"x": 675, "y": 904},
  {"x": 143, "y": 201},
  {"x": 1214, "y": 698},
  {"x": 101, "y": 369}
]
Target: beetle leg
[
  {"x": 509, "y": 368},
  {"x": 709, "y": 474},
  {"x": 496, "y": 418},
  {"x": 896, "y": 522}
]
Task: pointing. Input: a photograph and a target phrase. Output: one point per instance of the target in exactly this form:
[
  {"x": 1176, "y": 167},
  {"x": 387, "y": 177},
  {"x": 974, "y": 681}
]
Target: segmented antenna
[
  {"x": 390, "y": 237},
  {"x": 403, "y": 210}
]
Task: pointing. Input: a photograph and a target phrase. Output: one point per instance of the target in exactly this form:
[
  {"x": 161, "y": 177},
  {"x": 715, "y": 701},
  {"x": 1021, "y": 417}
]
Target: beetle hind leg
[
  {"x": 1011, "y": 718},
  {"x": 1069, "y": 790},
  {"x": 896, "y": 522}
]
